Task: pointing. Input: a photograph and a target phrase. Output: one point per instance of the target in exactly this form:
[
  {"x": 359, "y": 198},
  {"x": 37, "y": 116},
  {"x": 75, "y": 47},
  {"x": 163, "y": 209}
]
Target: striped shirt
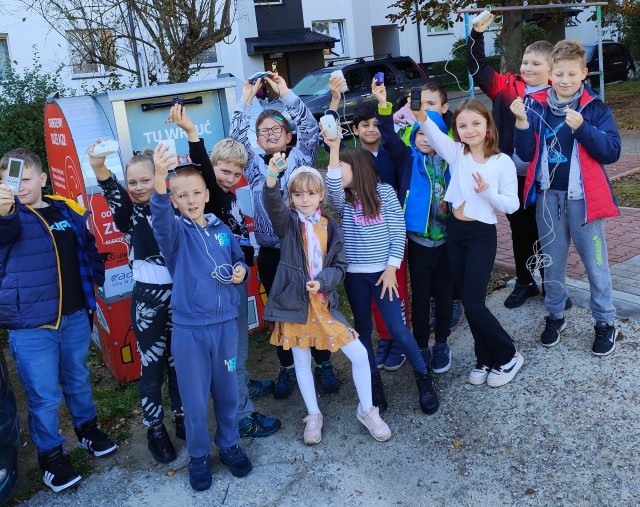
[{"x": 372, "y": 243}]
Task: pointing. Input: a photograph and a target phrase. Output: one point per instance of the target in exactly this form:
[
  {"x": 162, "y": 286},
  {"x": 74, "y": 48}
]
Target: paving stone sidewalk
[{"x": 623, "y": 242}]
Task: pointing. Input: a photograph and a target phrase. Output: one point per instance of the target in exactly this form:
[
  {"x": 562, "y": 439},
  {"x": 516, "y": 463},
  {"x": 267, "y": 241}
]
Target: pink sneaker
[
  {"x": 312, "y": 429},
  {"x": 374, "y": 423}
]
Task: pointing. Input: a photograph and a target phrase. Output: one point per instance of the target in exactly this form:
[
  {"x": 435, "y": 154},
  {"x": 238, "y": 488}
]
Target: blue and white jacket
[{"x": 303, "y": 153}]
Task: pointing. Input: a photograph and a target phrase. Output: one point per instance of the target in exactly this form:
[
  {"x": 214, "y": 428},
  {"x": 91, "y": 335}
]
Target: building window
[
  {"x": 5, "y": 62},
  {"x": 87, "y": 47},
  {"x": 207, "y": 58},
  {"x": 431, "y": 30},
  {"x": 335, "y": 29}
]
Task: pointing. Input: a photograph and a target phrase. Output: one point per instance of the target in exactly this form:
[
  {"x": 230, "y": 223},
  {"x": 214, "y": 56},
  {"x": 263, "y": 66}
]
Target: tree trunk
[{"x": 511, "y": 42}]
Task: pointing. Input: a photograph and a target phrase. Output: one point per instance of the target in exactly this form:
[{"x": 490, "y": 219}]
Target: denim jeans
[
  {"x": 50, "y": 359},
  {"x": 361, "y": 289}
]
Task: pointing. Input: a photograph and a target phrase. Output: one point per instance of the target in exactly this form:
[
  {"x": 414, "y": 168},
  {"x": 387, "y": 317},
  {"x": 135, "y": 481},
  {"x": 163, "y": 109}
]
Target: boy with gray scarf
[{"x": 568, "y": 134}]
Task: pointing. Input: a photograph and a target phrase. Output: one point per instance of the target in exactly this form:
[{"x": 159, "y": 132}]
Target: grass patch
[
  {"x": 627, "y": 190},
  {"x": 624, "y": 100}
]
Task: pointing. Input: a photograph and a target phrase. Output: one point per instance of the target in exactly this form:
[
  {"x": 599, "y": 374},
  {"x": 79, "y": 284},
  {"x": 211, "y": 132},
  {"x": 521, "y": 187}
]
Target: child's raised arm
[
  {"x": 117, "y": 197},
  {"x": 165, "y": 227},
  {"x": 398, "y": 151},
  {"x": 335, "y": 85},
  {"x": 489, "y": 81},
  {"x": 273, "y": 203},
  {"x": 335, "y": 190},
  {"x": 444, "y": 146}
]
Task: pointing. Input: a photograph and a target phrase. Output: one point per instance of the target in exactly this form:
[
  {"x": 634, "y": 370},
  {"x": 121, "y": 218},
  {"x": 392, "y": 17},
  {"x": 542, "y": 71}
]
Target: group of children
[{"x": 433, "y": 190}]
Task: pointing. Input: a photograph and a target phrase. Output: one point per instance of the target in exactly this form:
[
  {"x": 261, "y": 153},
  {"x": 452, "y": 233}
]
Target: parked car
[
  {"x": 9, "y": 434},
  {"x": 618, "y": 63},
  {"x": 400, "y": 75}
]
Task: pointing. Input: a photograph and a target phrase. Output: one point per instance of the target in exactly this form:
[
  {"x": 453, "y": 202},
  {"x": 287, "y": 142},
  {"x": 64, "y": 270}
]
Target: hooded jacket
[
  {"x": 288, "y": 299},
  {"x": 597, "y": 142},
  {"x": 416, "y": 187},
  {"x": 30, "y": 275},
  {"x": 193, "y": 254}
]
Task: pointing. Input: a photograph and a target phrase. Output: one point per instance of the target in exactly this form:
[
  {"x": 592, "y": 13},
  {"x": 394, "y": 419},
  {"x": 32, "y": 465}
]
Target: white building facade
[{"x": 359, "y": 26}]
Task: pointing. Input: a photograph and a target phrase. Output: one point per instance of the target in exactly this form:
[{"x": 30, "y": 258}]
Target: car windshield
[{"x": 316, "y": 83}]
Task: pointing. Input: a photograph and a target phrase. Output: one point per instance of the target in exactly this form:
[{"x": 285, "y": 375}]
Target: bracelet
[{"x": 273, "y": 175}]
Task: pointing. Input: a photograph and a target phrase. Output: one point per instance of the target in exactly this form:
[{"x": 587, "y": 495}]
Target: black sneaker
[
  {"x": 605, "y": 341},
  {"x": 325, "y": 377},
  {"x": 521, "y": 292},
  {"x": 160, "y": 445},
  {"x": 429, "y": 402},
  {"x": 236, "y": 460},
  {"x": 377, "y": 392},
  {"x": 181, "y": 431},
  {"x": 94, "y": 440},
  {"x": 58, "y": 472},
  {"x": 200, "y": 476},
  {"x": 284, "y": 384},
  {"x": 258, "y": 425},
  {"x": 551, "y": 334}
]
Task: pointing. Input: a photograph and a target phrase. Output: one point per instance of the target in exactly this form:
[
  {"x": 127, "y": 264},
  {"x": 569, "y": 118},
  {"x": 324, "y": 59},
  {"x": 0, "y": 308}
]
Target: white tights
[{"x": 356, "y": 353}]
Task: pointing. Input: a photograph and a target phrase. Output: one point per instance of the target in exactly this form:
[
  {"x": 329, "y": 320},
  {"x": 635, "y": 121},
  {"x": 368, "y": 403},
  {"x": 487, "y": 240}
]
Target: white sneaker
[
  {"x": 478, "y": 375},
  {"x": 374, "y": 423},
  {"x": 312, "y": 429},
  {"x": 504, "y": 374}
]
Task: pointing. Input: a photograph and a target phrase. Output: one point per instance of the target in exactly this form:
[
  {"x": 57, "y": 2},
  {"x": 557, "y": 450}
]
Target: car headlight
[{"x": 3, "y": 475}]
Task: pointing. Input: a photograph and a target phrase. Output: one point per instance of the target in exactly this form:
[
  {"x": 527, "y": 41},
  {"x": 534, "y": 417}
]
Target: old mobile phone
[
  {"x": 379, "y": 78},
  {"x": 416, "y": 99},
  {"x": 178, "y": 100},
  {"x": 13, "y": 180},
  {"x": 281, "y": 164}
]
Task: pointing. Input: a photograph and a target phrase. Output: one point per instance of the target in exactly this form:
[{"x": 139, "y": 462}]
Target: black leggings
[
  {"x": 472, "y": 252},
  {"x": 268, "y": 260}
]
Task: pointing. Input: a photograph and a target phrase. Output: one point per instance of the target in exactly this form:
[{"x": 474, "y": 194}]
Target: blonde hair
[
  {"x": 184, "y": 172},
  {"x": 145, "y": 157},
  {"x": 230, "y": 151},
  {"x": 306, "y": 178},
  {"x": 542, "y": 48},
  {"x": 29, "y": 157},
  {"x": 569, "y": 49}
]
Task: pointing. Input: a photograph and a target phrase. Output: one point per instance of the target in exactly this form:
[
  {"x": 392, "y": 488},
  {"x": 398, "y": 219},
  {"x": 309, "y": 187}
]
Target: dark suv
[
  {"x": 618, "y": 63},
  {"x": 400, "y": 75}
]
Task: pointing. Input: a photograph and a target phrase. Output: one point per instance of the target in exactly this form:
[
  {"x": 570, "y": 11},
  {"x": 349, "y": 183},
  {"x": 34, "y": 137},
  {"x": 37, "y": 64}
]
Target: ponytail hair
[{"x": 143, "y": 157}]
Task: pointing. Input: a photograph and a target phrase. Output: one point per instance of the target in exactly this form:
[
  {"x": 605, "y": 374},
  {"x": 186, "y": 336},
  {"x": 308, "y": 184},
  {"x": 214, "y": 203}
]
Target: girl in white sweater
[{"x": 483, "y": 180}]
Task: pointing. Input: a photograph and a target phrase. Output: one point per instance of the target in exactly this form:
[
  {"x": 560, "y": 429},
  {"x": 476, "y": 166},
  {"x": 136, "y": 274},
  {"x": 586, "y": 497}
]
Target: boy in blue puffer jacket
[
  {"x": 423, "y": 178},
  {"x": 204, "y": 260},
  {"x": 49, "y": 265}
]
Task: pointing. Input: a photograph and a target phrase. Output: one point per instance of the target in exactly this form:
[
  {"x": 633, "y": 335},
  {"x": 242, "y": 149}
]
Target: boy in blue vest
[
  {"x": 423, "y": 178},
  {"x": 49, "y": 265},
  {"x": 204, "y": 260}
]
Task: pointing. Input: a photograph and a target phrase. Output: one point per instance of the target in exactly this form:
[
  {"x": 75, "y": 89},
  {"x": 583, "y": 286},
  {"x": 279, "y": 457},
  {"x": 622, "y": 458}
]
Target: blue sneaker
[
  {"x": 456, "y": 316},
  {"x": 384, "y": 346},
  {"x": 440, "y": 358},
  {"x": 326, "y": 380},
  {"x": 237, "y": 461},
  {"x": 200, "y": 473},
  {"x": 258, "y": 425},
  {"x": 258, "y": 388},
  {"x": 284, "y": 384},
  {"x": 395, "y": 358}
]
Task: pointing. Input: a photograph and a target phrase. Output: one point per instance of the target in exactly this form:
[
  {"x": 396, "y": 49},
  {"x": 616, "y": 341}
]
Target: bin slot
[{"x": 168, "y": 103}]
